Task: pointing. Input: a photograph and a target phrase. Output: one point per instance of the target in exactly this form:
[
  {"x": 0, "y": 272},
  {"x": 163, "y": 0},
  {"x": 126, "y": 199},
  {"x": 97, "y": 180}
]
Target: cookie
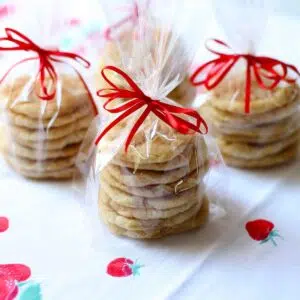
[
  {"x": 20, "y": 97},
  {"x": 113, "y": 217},
  {"x": 173, "y": 200},
  {"x": 145, "y": 213},
  {"x": 267, "y": 161},
  {"x": 35, "y": 154},
  {"x": 181, "y": 160},
  {"x": 230, "y": 96},
  {"x": 49, "y": 165},
  {"x": 158, "y": 232},
  {"x": 140, "y": 178},
  {"x": 160, "y": 190},
  {"x": 61, "y": 174},
  {"x": 184, "y": 94},
  {"x": 232, "y": 120},
  {"x": 257, "y": 139},
  {"x": 255, "y": 151},
  {"x": 155, "y": 142},
  {"x": 278, "y": 129},
  {"x": 21, "y": 120},
  {"x": 162, "y": 148},
  {"x": 47, "y": 145},
  {"x": 52, "y": 134}
]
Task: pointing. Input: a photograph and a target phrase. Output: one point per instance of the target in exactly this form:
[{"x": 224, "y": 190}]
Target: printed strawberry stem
[
  {"x": 274, "y": 233},
  {"x": 135, "y": 268}
]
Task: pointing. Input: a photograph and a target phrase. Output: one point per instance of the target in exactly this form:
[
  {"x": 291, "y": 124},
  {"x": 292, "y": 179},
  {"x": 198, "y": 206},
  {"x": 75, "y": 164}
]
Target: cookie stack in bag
[
  {"x": 266, "y": 137},
  {"x": 41, "y": 139},
  {"x": 157, "y": 187}
]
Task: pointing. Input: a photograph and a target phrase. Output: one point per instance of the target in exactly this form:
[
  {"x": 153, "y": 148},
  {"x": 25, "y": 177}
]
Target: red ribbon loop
[
  {"x": 20, "y": 42},
  {"x": 261, "y": 67},
  {"x": 136, "y": 99}
]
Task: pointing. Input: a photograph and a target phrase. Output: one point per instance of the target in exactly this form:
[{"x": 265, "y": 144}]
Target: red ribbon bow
[
  {"x": 46, "y": 59},
  {"x": 262, "y": 67},
  {"x": 136, "y": 100}
]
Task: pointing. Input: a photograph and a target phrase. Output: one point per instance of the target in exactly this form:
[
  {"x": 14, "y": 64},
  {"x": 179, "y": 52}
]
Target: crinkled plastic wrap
[
  {"x": 268, "y": 134},
  {"x": 166, "y": 182},
  {"x": 124, "y": 30},
  {"x": 40, "y": 134}
]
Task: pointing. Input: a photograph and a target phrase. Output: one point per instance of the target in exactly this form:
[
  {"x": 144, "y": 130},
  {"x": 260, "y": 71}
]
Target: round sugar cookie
[
  {"x": 261, "y": 140},
  {"x": 20, "y": 97},
  {"x": 25, "y": 164},
  {"x": 274, "y": 130},
  {"x": 11, "y": 147},
  {"x": 234, "y": 120},
  {"x": 56, "y": 144},
  {"x": 113, "y": 217},
  {"x": 140, "y": 178},
  {"x": 159, "y": 190},
  {"x": 184, "y": 94},
  {"x": 40, "y": 154},
  {"x": 267, "y": 161},
  {"x": 21, "y": 120},
  {"x": 51, "y": 134},
  {"x": 144, "y": 213},
  {"x": 252, "y": 151},
  {"x": 230, "y": 96},
  {"x": 58, "y": 175},
  {"x": 183, "y": 159},
  {"x": 154, "y": 233},
  {"x": 161, "y": 203},
  {"x": 155, "y": 142}
]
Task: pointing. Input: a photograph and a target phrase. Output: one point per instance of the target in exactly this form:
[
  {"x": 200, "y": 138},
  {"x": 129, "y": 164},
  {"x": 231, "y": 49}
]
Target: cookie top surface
[
  {"x": 230, "y": 96},
  {"x": 155, "y": 142},
  {"x": 20, "y": 97}
]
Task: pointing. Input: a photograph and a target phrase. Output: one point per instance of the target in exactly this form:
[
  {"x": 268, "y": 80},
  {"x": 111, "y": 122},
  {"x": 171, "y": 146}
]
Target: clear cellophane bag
[
  {"x": 122, "y": 19},
  {"x": 149, "y": 179},
  {"x": 47, "y": 105},
  {"x": 251, "y": 103}
]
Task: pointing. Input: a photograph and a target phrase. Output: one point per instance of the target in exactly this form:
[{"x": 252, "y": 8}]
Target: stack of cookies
[
  {"x": 157, "y": 187},
  {"x": 266, "y": 137},
  {"x": 41, "y": 139}
]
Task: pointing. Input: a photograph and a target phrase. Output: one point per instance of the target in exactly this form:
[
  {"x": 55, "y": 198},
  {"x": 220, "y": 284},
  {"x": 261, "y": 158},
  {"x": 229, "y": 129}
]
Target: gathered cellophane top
[
  {"x": 183, "y": 93},
  {"x": 41, "y": 138}
]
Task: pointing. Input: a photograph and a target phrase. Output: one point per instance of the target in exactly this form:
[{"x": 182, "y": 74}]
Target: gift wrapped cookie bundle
[
  {"x": 122, "y": 32},
  {"x": 152, "y": 157},
  {"x": 253, "y": 101},
  {"x": 48, "y": 107}
]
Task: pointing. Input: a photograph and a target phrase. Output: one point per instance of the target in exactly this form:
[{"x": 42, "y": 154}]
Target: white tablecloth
[{"x": 50, "y": 233}]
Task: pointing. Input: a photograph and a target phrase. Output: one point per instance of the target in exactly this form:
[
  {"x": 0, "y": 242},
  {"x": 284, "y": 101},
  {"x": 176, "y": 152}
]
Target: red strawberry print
[
  {"x": 8, "y": 289},
  {"x": 10, "y": 275},
  {"x": 123, "y": 267},
  {"x": 6, "y": 10},
  {"x": 4, "y": 224},
  {"x": 262, "y": 230},
  {"x": 18, "y": 272}
]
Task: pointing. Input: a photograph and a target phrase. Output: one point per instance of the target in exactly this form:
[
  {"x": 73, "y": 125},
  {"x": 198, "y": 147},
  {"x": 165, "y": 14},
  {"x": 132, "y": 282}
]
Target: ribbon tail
[
  {"x": 248, "y": 88},
  {"x": 117, "y": 120},
  {"x": 136, "y": 126}
]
